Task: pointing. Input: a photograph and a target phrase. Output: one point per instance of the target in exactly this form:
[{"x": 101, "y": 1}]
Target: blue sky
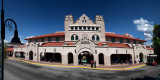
[{"x": 38, "y": 17}]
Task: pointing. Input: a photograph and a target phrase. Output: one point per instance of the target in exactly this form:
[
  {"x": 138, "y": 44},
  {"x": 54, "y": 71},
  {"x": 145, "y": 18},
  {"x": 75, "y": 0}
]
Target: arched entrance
[
  {"x": 121, "y": 58},
  {"x": 85, "y": 55},
  {"x": 22, "y": 54},
  {"x": 31, "y": 55},
  {"x": 41, "y": 56},
  {"x": 70, "y": 58},
  {"x": 53, "y": 57},
  {"x": 141, "y": 57},
  {"x": 15, "y": 54},
  {"x": 101, "y": 58}
]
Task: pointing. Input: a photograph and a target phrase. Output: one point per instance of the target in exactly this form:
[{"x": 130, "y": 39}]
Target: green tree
[
  {"x": 5, "y": 53},
  {"x": 5, "y": 47},
  {"x": 156, "y": 40}
]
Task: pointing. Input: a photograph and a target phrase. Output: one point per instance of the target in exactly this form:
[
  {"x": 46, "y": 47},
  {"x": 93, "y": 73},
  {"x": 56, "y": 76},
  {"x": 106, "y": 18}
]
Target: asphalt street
[{"x": 17, "y": 70}]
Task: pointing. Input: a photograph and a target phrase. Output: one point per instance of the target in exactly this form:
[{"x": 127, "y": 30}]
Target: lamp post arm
[{"x": 9, "y": 25}]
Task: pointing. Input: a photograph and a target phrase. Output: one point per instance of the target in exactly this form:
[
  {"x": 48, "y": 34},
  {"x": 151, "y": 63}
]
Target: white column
[
  {"x": 75, "y": 59},
  {"x": 96, "y": 59},
  {"x": 64, "y": 59},
  {"x": 13, "y": 54},
  {"x": 77, "y": 28},
  {"x": 82, "y": 28},
  {"x": 107, "y": 60},
  {"x": 132, "y": 59}
]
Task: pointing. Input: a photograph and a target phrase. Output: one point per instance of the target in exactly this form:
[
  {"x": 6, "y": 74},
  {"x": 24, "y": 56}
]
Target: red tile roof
[
  {"x": 122, "y": 36},
  {"x": 70, "y": 43},
  {"x": 118, "y": 45},
  {"x": 63, "y": 34},
  {"x": 48, "y": 35},
  {"x": 21, "y": 46},
  {"x": 100, "y": 44},
  {"x": 53, "y": 44},
  {"x": 9, "y": 49},
  {"x": 150, "y": 48}
]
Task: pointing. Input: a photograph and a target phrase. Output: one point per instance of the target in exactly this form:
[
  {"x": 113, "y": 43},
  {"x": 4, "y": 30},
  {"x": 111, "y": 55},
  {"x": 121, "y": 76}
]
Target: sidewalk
[{"x": 100, "y": 67}]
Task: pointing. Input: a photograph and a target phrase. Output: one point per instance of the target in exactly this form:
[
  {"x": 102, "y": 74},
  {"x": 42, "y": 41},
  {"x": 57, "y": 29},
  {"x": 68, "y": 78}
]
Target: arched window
[
  {"x": 97, "y": 38},
  {"x": 93, "y": 38},
  {"x": 72, "y": 38},
  {"x": 77, "y": 37}
]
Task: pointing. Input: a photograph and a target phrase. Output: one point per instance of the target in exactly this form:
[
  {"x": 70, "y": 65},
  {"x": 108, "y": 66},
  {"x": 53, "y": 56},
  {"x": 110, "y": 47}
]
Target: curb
[{"x": 129, "y": 68}]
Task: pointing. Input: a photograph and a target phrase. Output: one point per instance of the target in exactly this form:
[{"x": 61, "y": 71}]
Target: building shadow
[{"x": 147, "y": 78}]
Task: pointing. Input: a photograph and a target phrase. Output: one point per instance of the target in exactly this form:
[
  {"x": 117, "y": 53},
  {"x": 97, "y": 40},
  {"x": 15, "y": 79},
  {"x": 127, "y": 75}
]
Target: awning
[{"x": 9, "y": 49}]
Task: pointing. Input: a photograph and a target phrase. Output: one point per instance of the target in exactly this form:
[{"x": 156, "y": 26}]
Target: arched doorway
[
  {"x": 141, "y": 57},
  {"x": 121, "y": 58},
  {"x": 57, "y": 57},
  {"x": 52, "y": 57},
  {"x": 101, "y": 58},
  {"x": 22, "y": 54},
  {"x": 85, "y": 55},
  {"x": 30, "y": 55},
  {"x": 70, "y": 58},
  {"x": 15, "y": 54},
  {"x": 42, "y": 58}
]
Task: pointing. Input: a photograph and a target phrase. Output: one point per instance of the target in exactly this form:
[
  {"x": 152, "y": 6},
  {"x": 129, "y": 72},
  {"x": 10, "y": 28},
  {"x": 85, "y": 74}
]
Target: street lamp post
[
  {"x": 2, "y": 42},
  {"x": 15, "y": 39}
]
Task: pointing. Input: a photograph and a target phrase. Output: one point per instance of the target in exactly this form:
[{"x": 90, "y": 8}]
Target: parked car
[{"x": 151, "y": 60}]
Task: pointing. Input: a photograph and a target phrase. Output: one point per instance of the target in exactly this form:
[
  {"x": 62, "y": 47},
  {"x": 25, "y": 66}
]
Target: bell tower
[
  {"x": 100, "y": 21},
  {"x": 68, "y": 21}
]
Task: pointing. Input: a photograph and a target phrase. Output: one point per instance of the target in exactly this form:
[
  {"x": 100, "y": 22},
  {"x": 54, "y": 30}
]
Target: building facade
[{"x": 84, "y": 38}]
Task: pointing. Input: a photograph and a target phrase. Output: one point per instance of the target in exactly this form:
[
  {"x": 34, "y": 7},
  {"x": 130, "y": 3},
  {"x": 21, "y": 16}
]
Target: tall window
[
  {"x": 121, "y": 40},
  {"x": 80, "y": 28},
  {"x": 112, "y": 39},
  {"x": 36, "y": 40},
  {"x": 49, "y": 39},
  {"x": 93, "y": 38},
  {"x": 72, "y": 38},
  {"x": 30, "y": 40},
  {"x": 71, "y": 28},
  {"x": 42, "y": 39},
  {"x": 57, "y": 38},
  {"x": 97, "y": 38},
  {"x": 128, "y": 41},
  {"x": 76, "y": 37},
  {"x": 92, "y": 28},
  {"x": 76, "y": 28},
  {"x": 88, "y": 28},
  {"x": 140, "y": 42},
  {"x": 134, "y": 42},
  {"x": 97, "y": 28}
]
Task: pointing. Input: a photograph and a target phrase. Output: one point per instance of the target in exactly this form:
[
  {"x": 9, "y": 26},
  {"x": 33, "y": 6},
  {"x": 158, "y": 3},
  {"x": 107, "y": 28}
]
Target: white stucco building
[{"x": 83, "y": 37}]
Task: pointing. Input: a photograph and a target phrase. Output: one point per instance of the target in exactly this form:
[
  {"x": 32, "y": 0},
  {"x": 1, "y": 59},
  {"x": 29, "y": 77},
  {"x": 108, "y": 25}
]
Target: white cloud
[
  {"x": 6, "y": 41},
  {"x": 144, "y": 26},
  {"x": 29, "y": 36},
  {"x": 22, "y": 41},
  {"x": 147, "y": 36}
]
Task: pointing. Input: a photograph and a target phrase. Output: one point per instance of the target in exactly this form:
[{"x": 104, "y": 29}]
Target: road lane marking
[{"x": 129, "y": 68}]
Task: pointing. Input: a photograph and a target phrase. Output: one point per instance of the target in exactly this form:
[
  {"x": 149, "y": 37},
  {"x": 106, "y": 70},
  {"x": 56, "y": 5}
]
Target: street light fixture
[{"x": 15, "y": 39}]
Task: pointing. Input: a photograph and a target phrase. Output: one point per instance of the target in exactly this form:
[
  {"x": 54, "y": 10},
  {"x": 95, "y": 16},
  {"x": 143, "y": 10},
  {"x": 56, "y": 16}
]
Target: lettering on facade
[{"x": 85, "y": 42}]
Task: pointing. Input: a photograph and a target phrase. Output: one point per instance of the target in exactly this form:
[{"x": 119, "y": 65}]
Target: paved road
[{"x": 16, "y": 70}]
